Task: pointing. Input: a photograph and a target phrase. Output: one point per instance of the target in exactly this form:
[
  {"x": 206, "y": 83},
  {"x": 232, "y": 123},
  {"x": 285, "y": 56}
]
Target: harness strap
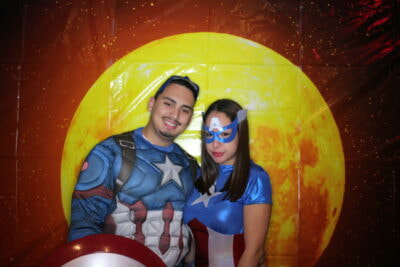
[{"x": 127, "y": 144}]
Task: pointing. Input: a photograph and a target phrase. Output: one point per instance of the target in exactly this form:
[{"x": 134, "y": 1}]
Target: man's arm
[{"x": 93, "y": 198}]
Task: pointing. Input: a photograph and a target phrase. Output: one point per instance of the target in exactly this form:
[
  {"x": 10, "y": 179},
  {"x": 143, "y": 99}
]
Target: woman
[{"x": 229, "y": 210}]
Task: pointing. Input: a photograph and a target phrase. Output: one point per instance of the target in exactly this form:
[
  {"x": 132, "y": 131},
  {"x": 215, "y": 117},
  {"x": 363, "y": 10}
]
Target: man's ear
[{"x": 150, "y": 104}]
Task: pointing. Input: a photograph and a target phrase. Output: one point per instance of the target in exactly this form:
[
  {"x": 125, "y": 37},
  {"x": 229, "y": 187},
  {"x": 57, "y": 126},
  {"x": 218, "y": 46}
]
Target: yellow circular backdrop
[{"x": 293, "y": 134}]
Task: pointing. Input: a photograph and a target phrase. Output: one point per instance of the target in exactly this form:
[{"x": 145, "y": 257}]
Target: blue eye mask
[{"x": 219, "y": 135}]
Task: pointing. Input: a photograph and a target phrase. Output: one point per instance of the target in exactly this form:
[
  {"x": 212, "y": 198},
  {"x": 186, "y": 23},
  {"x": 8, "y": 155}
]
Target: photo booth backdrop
[{"x": 326, "y": 69}]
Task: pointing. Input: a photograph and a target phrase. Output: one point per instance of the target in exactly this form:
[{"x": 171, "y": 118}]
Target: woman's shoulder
[{"x": 258, "y": 187}]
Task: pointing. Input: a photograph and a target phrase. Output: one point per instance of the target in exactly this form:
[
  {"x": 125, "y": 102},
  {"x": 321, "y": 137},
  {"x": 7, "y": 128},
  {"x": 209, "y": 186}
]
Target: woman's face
[{"x": 222, "y": 153}]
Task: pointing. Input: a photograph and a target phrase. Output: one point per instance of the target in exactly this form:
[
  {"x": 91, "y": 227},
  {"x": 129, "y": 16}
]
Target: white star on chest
[
  {"x": 205, "y": 198},
  {"x": 169, "y": 171}
]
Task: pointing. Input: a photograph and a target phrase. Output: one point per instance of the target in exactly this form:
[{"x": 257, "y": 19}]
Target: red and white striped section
[{"x": 216, "y": 249}]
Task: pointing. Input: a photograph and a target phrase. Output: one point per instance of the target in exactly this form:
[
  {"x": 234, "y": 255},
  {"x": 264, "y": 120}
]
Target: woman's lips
[{"x": 217, "y": 154}]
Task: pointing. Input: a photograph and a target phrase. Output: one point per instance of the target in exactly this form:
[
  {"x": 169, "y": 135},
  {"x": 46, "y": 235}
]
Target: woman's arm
[
  {"x": 188, "y": 260},
  {"x": 256, "y": 222}
]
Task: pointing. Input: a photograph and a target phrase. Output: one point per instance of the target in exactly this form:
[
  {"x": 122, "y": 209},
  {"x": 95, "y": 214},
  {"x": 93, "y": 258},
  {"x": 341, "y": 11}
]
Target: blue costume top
[
  {"x": 154, "y": 194},
  {"x": 221, "y": 219}
]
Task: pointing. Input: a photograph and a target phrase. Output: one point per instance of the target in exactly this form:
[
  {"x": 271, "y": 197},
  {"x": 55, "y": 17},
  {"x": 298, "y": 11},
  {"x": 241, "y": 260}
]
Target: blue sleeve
[
  {"x": 258, "y": 188},
  {"x": 93, "y": 198}
]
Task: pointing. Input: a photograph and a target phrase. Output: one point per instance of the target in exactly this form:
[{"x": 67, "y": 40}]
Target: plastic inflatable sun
[{"x": 293, "y": 133}]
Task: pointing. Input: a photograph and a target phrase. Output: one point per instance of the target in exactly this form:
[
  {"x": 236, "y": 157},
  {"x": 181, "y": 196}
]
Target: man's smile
[{"x": 170, "y": 123}]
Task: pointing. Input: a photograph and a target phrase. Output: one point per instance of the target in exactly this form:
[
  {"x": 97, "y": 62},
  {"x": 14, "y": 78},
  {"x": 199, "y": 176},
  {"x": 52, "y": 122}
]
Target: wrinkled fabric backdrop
[{"x": 52, "y": 52}]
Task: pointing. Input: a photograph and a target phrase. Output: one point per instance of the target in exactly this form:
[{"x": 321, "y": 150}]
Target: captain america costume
[
  {"x": 148, "y": 207},
  {"x": 217, "y": 223}
]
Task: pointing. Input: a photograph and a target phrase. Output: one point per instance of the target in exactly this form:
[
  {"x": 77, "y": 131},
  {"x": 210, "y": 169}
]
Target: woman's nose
[{"x": 215, "y": 144}]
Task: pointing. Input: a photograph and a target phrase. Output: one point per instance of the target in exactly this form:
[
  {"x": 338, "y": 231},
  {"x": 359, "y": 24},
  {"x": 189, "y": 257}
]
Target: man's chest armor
[
  {"x": 158, "y": 178},
  {"x": 150, "y": 203}
]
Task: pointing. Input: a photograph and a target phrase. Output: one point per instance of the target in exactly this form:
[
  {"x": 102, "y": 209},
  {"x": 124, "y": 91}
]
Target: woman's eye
[
  {"x": 225, "y": 134},
  {"x": 208, "y": 135}
]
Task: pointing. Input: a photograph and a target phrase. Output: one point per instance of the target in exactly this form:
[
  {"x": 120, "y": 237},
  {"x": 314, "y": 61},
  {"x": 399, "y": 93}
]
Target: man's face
[{"x": 170, "y": 113}]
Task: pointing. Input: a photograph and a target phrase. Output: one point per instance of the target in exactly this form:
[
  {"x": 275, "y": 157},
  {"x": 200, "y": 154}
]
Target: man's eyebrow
[
  {"x": 172, "y": 100},
  {"x": 168, "y": 98},
  {"x": 189, "y": 107}
]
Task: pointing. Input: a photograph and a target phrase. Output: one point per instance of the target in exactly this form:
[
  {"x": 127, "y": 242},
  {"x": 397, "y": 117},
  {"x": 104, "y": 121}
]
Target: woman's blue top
[{"x": 224, "y": 216}]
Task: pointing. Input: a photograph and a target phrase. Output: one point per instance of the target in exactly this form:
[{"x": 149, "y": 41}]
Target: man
[{"x": 147, "y": 204}]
